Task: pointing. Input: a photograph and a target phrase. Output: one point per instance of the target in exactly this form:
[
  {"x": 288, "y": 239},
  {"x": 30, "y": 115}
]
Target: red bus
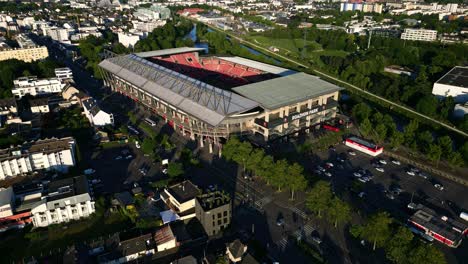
[
  {"x": 363, "y": 146},
  {"x": 331, "y": 128}
]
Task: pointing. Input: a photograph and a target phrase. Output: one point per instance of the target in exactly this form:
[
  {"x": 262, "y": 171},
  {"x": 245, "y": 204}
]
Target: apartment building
[
  {"x": 47, "y": 154},
  {"x": 64, "y": 200},
  {"x": 213, "y": 210},
  {"x": 8, "y": 112},
  {"x": 26, "y": 55},
  {"x": 419, "y": 34},
  {"x": 33, "y": 86},
  {"x": 180, "y": 198},
  {"x": 64, "y": 74}
]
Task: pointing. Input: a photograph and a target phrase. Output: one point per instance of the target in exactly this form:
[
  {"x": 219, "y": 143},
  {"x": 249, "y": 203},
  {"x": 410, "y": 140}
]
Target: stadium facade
[{"x": 212, "y": 97}]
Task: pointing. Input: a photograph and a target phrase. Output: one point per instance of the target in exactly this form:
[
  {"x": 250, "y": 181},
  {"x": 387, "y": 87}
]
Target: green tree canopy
[{"x": 319, "y": 197}]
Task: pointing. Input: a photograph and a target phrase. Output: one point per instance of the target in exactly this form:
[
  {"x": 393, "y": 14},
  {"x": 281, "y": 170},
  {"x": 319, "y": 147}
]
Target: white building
[
  {"x": 180, "y": 198},
  {"x": 47, "y": 154},
  {"x": 39, "y": 105},
  {"x": 33, "y": 86},
  {"x": 419, "y": 34},
  {"x": 64, "y": 74},
  {"x": 453, "y": 83},
  {"x": 66, "y": 200},
  {"x": 95, "y": 114},
  {"x": 6, "y": 202},
  {"x": 58, "y": 34},
  {"x": 128, "y": 39}
]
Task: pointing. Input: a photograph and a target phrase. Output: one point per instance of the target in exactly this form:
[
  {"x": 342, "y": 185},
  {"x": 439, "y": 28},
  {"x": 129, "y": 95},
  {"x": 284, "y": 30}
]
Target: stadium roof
[
  {"x": 286, "y": 90},
  {"x": 164, "y": 52},
  {"x": 458, "y": 76},
  {"x": 259, "y": 65},
  {"x": 200, "y": 99}
]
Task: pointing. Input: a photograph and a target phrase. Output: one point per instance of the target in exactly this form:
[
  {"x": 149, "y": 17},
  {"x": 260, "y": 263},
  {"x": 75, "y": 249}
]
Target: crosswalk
[
  {"x": 304, "y": 231},
  {"x": 264, "y": 201},
  {"x": 282, "y": 244},
  {"x": 299, "y": 212}
]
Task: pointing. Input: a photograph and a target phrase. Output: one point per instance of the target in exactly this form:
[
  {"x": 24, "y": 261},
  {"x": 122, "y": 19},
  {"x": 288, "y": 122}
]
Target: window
[
  {"x": 219, "y": 221},
  {"x": 225, "y": 220},
  {"x": 213, "y": 217},
  {"x": 219, "y": 215},
  {"x": 213, "y": 223},
  {"x": 225, "y": 213}
]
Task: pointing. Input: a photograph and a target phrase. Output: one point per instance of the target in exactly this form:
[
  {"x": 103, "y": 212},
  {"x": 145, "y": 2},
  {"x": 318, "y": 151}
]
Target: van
[{"x": 150, "y": 122}]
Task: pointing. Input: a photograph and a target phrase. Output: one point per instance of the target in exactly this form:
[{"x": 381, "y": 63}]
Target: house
[
  {"x": 213, "y": 210},
  {"x": 129, "y": 250},
  {"x": 73, "y": 95},
  {"x": 33, "y": 86},
  {"x": 124, "y": 200},
  {"x": 64, "y": 200},
  {"x": 235, "y": 251},
  {"x": 8, "y": 112},
  {"x": 95, "y": 114},
  {"x": 180, "y": 198},
  {"x": 165, "y": 239}
]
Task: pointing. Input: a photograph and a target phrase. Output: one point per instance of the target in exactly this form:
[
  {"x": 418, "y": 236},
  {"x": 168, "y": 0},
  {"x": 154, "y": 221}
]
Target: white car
[
  {"x": 439, "y": 186},
  {"x": 357, "y": 174},
  {"x": 379, "y": 169},
  {"x": 137, "y": 144},
  {"x": 362, "y": 179},
  {"x": 352, "y": 153},
  {"x": 329, "y": 164},
  {"x": 382, "y": 161},
  {"x": 164, "y": 171},
  {"x": 410, "y": 173},
  {"x": 118, "y": 158},
  {"x": 362, "y": 194},
  {"x": 328, "y": 174},
  {"x": 396, "y": 162},
  {"x": 129, "y": 157}
]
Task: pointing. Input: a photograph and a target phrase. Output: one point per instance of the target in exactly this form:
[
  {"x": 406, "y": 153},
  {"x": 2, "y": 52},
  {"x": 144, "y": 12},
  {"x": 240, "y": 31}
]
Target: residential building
[
  {"x": 46, "y": 154},
  {"x": 235, "y": 251},
  {"x": 129, "y": 250},
  {"x": 214, "y": 211},
  {"x": 59, "y": 34},
  {"x": 8, "y": 112},
  {"x": 164, "y": 239},
  {"x": 180, "y": 198},
  {"x": 9, "y": 217},
  {"x": 154, "y": 12},
  {"x": 39, "y": 105},
  {"x": 26, "y": 55},
  {"x": 454, "y": 83},
  {"x": 419, "y": 34},
  {"x": 33, "y": 86},
  {"x": 129, "y": 39},
  {"x": 64, "y": 200},
  {"x": 95, "y": 115},
  {"x": 64, "y": 74}
]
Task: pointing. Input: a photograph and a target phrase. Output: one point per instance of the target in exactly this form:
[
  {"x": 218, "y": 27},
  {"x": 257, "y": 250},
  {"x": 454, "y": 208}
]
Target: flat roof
[
  {"x": 165, "y": 52},
  {"x": 286, "y": 90},
  {"x": 457, "y": 76},
  {"x": 184, "y": 191}
]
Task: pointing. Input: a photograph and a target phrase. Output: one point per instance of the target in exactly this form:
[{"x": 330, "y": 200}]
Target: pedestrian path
[
  {"x": 264, "y": 201},
  {"x": 282, "y": 244},
  {"x": 298, "y": 211},
  {"x": 304, "y": 231}
]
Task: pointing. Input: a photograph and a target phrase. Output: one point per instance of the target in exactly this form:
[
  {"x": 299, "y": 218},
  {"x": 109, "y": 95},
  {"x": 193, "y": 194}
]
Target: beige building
[
  {"x": 213, "y": 210},
  {"x": 180, "y": 198},
  {"x": 26, "y": 55},
  {"x": 419, "y": 34}
]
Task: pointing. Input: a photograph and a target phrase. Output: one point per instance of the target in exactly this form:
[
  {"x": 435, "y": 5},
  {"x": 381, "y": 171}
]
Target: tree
[
  {"x": 446, "y": 145},
  {"x": 361, "y": 111},
  {"x": 230, "y": 148},
  {"x": 148, "y": 145},
  {"x": 396, "y": 139},
  {"x": 175, "y": 169},
  {"x": 242, "y": 154},
  {"x": 366, "y": 127},
  {"x": 338, "y": 212},
  {"x": 266, "y": 170},
  {"x": 376, "y": 230},
  {"x": 255, "y": 160},
  {"x": 455, "y": 159},
  {"x": 380, "y": 133},
  {"x": 426, "y": 254},
  {"x": 319, "y": 197},
  {"x": 280, "y": 178},
  {"x": 399, "y": 245},
  {"x": 297, "y": 181},
  {"x": 425, "y": 139},
  {"x": 410, "y": 131},
  {"x": 434, "y": 153}
]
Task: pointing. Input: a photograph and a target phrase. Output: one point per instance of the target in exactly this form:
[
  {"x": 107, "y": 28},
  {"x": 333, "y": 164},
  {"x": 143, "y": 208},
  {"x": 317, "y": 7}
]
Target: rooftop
[
  {"x": 166, "y": 52},
  {"x": 184, "y": 191},
  {"x": 236, "y": 248},
  {"x": 68, "y": 187},
  {"x": 6, "y": 196},
  {"x": 213, "y": 200},
  {"x": 286, "y": 90},
  {"x": 164, "y": 235},
  {"x": 45, "y": 146},
  {"x": 458, "y": 76},
  {"x": 448, "y": 228}
]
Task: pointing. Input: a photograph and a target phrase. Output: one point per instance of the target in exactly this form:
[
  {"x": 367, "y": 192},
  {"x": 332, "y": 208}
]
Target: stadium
[{"x": 211, "y": 97}]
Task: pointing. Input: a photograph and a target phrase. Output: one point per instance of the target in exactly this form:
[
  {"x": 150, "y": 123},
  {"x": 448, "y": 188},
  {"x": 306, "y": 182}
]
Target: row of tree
[
  {"x": 322, "y": 201},
  {"x": 383, "y": 128},
  {"x": 398, "y": 241},
  {"x": 279, "y": 173}
]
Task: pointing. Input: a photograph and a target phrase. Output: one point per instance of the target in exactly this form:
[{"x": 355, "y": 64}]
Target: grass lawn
[{"x": 286, "y": 45}]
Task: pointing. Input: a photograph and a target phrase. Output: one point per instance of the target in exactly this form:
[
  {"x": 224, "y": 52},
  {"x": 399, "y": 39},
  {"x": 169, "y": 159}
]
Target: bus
[
  {"x": 150, "y": 122},
  {"x": 363, "y": 146}
]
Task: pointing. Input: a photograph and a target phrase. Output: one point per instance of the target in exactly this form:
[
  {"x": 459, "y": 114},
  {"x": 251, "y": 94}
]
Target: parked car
[
  {"x": 382, "y": 161},
  {"x": 351, "y": 152},
  {"x": 328, "y": 174},
  {"x": 332, "y": 148},
  {"x": 410, "y": 172},
  {"x": 118, "y": 158},
  {"x": 280, "y": 220},
  {"x": 89, "y": 171},
  {"x": 329, "y": 165},
  {"x": 381, "y": 169},
  {"x": 316, "y": 237},
  {"x": 357, "y": 174},
  {"x": 423, "y": 175},
  {"x": 439, "y": 186},
  {"x": 137, "y": 144},
  {"x": 129, "y": 157},
  {"x": 396, "y": 162}
]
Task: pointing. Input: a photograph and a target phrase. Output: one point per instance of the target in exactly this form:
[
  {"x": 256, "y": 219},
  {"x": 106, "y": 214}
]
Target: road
[{"x": 273, "y": 54}]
